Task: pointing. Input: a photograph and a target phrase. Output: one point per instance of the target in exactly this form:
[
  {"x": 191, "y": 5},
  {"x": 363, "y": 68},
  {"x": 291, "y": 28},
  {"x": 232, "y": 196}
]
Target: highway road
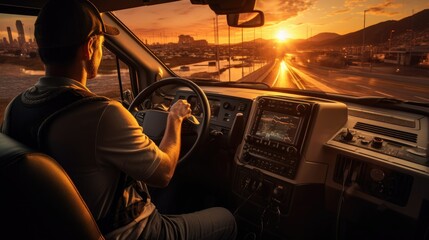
[{"x": 356, "y": 80}]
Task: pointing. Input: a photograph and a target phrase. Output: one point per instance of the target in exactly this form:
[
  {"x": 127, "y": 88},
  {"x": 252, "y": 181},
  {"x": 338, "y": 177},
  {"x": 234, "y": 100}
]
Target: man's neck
[{"x": 77, "y": 74}]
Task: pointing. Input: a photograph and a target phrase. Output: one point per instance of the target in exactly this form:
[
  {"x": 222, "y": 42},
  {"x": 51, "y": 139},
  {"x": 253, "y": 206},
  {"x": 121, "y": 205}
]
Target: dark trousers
[{"x": 208, "y": 224}]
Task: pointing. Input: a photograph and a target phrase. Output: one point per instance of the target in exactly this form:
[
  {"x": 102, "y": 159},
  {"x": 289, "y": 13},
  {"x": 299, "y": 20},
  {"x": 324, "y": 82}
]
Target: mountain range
[{"x": 374, "y": 35}]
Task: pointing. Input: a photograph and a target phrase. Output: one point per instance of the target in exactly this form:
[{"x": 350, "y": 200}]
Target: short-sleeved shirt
[{"x": 94, "y": 143}]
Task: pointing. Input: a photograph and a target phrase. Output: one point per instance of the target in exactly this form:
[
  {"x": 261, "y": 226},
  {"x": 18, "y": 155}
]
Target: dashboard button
[{"x": 377, "y": 142}]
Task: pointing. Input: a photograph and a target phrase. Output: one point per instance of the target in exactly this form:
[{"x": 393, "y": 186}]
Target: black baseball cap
[{"x": 63, "y": 23}]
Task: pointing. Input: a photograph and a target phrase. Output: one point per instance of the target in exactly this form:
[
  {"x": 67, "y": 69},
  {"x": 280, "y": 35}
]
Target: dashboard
[
  {"x": 225, "y": 110},
  {"x": 297, "y": 152}
]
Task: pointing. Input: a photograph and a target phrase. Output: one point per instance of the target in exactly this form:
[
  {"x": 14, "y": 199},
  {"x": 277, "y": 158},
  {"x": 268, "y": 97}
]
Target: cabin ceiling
[{"x": 103, "y": 5}]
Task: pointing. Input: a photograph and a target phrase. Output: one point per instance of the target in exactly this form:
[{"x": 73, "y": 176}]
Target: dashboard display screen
[{"x": 278, "y": 126}]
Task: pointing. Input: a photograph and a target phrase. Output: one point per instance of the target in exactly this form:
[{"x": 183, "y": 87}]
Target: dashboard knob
[
  {"x": 377, "y": 174},
  {"x": 301, "y": 108},
  {"x": 226, "y": 105},
  {"x": 245, "y": 156},
  {"x": 377, "y": 142},
  {"x": 347, "y": 136},
  {"x": 278, "y": 193},
  {"x": 291, "y": 150}
]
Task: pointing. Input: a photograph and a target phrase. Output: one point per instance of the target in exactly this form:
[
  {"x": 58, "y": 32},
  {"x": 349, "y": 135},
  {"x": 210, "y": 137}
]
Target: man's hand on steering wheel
[{"x": 180, "y": 110}]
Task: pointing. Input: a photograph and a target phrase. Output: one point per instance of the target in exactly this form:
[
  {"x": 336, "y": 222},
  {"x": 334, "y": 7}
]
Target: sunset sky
[{"x": 297, "y": 19}]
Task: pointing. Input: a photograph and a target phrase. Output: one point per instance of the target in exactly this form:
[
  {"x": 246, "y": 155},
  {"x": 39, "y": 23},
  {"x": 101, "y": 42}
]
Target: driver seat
[{"x": 38, "y": 199}]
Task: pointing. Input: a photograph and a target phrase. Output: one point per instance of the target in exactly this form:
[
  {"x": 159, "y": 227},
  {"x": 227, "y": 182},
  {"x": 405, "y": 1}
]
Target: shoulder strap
[
  {"x": 24, "y": 117},
  {"x": 43, "y": 128}
]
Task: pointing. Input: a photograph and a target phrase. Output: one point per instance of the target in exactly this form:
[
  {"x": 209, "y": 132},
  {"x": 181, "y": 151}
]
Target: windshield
[
  {"x": 352, "y": 47},
  {"x": 363, "y": 48}
]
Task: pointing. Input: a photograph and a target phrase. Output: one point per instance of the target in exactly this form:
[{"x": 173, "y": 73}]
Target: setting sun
[{"x": 282, "y": 35}]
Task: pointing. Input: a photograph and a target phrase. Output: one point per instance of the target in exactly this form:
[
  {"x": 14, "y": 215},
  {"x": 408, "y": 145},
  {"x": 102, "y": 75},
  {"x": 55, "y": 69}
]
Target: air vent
[
  {"x": 411, "y": 137},
  {"x": 383, "y": 118}
]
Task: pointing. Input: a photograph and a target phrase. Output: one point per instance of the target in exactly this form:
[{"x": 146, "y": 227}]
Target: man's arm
[
  {"x": 120, "y": 141},
  {"x": 170, "y": 144}
]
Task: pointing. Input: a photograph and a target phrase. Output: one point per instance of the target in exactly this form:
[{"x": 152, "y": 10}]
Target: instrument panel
[
  {"x": 197, "y": 109},
  {"x": 224, "y": 109}
]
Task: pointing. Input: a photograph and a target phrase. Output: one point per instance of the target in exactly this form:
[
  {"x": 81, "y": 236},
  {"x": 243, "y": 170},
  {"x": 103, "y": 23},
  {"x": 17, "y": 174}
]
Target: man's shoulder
[
  {"x": 115, "y": 107},
  {"x": 36, "y": 95}
]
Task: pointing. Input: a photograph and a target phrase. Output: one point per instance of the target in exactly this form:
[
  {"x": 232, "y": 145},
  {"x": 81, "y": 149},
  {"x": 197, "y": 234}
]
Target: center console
[
  {"x": 276, "y": 137},
  {"x": 267, "y": 167}
]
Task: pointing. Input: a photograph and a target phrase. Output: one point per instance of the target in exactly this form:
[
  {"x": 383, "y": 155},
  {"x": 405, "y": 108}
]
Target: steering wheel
[{"x": 154, "y": 121}]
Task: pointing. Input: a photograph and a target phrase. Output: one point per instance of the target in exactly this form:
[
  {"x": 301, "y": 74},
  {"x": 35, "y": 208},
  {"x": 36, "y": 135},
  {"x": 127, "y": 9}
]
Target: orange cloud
[
  {"x": 384, "y": 8},
  {"x": 280, "y": 10},
  {"x": 354, "y": 3}
]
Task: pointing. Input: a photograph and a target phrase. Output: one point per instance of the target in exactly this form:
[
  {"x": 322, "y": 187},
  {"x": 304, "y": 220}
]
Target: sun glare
[{"x": 282, "y": 35}]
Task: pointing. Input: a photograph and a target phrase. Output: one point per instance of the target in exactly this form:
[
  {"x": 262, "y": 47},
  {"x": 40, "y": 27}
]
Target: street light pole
[
  {"x": 390, "y": 38},
  {"x": 229, "y": 53},
  {"x": 242, "y": 53},
  {"x": 363, "y": 35}
]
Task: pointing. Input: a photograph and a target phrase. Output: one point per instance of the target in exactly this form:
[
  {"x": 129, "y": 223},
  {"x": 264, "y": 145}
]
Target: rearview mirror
[
  {"x": 246, "y": 19},
  {"x": 221, "y": 7}
]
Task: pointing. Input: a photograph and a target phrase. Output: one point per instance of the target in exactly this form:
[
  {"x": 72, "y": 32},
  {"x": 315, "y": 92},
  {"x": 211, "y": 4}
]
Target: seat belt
[{"x": 26, "y": 121}]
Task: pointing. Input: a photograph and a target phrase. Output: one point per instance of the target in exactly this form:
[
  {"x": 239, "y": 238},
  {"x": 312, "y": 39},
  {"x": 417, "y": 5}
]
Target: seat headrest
[{"x": 10, "y": 150}]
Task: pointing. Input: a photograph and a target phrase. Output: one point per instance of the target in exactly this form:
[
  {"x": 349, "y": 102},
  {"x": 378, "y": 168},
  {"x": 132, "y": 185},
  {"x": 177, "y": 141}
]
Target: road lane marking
[
  {"x": 385, "y": 94},
  {"x": 362, "y": 86},
  {"x": 295, "y": 78},
  {"x": 276, "y": 79},
  {"x": 317, "y": 83},
  {"x": 422, "y": 98}
]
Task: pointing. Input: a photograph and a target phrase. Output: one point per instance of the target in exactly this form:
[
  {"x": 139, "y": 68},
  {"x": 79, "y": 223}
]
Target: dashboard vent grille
[
  {"x": 411, "y": 137},
  {"x": 387, "y": 119}
]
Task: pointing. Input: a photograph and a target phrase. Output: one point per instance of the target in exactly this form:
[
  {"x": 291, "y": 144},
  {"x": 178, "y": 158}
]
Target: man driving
[{"x": 96, "y": 140}]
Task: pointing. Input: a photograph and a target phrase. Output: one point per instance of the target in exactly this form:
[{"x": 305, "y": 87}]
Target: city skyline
[
  {"x": 18, "y": 39},
  {"x": 21, "y": 28}
]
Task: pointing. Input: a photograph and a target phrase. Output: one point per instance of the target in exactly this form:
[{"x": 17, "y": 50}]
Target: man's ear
[{"x": 88, "y": 48}]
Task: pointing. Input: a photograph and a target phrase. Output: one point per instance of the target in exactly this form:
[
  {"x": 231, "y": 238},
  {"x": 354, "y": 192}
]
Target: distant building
[
  {"x": 185, "y": 39},
  {"x": 9, "y": 33},
  {"x": 21, "y": 34},
  {"x": 200, "y": 43}
]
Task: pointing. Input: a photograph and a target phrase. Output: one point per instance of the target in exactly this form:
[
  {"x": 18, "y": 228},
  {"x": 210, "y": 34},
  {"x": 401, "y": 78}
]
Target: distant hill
[
  {"x": 378, "y": 33},
  {"x": 323, "y": 37}
]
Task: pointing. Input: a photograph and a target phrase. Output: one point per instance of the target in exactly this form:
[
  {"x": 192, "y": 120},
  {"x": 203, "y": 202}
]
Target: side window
[
  {"x": 107, "y": 81},
  {"x": 21, "y": 67}
]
